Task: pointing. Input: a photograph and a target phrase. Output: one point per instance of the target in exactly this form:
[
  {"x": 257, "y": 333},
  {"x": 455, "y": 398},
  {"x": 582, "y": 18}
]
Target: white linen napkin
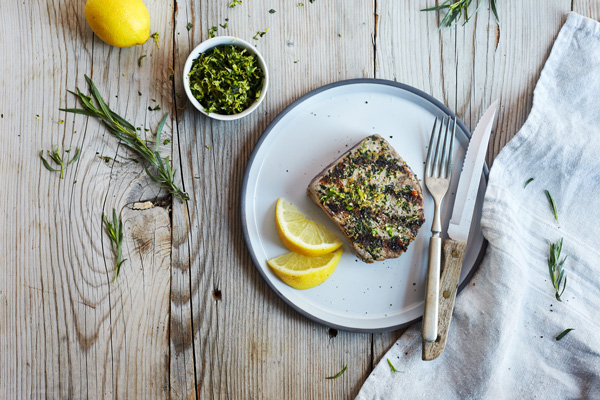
[{"x": 502, "y": 343}]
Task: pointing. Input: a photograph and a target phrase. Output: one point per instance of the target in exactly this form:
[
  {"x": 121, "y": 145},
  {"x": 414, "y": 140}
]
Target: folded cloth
[{"x": 502, "y": 341}]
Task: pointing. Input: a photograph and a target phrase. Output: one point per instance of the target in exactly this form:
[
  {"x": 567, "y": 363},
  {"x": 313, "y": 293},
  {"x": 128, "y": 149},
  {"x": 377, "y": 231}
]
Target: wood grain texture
[
  {"x": 198, "y": 321},
  {"x": 453, "y": 254},
  {"x": 245, "y": 339}
]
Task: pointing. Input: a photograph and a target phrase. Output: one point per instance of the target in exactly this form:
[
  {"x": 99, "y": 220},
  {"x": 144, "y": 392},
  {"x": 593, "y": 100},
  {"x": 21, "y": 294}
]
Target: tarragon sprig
[
  {"x": 58, "y": 159},
  {"x": 455, "y": 9},
  {"x": 555, "y": 267},
  {"x": 115, "y": 233},
  {"x": 158, "y": 169}
]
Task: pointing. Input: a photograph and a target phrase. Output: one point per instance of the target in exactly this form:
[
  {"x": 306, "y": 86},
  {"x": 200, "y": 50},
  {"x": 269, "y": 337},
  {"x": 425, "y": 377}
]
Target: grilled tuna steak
[{"x": 374, "y": 197}]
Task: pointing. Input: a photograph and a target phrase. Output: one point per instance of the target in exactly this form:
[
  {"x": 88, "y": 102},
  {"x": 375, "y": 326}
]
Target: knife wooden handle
[{"x": 454, "y": 253}]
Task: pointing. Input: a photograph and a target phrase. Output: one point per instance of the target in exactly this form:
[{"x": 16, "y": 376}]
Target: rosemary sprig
[
  {"x": 552, "y": 204},
  {"x": 564, "y": 333},
  {"x": 158, "y": 169},
  {"x": 58, "y": 159},
  {"x": 455, "y": 9},
  {"x": 528, "y": 182},
  {"x": 115, "y": 233},
  {"x": 339, "y": 373},
  {"x": 555, "y": 267}
]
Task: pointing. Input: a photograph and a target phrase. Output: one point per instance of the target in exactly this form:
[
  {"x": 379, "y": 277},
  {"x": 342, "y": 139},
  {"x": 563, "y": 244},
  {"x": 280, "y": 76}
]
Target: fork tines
[{"x": 440, "y": 164}]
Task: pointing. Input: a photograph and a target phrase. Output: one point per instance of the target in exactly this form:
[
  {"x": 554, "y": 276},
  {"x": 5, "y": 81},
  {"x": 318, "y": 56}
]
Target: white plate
[{"x": 305, "y": 138}]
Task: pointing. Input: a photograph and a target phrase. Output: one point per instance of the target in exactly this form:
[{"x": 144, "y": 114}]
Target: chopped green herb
[
  {"x": 300, "y": 4},
  {"x": 552, "y": 204},
  {"x": 224, "y": 26},
  {"x": 140, "y": 60},
  {"x": 114, "y": 230},
  {"x": 392, "y": 366},
  {"x": 37, "y": 116},
  {"x": 235, "y": 3},
  {"x": 178, "y": 95},
  {"x": 154, "y": 109},
  {"x": 105, "y": 158},
  {"x": 296, "y": 62},
  {"x": 139, "y": 93},
  {"x": 564, "y": 333},
  {"x": 226, "y": 79},
  {"x": 196, "y": 177},
  {"x": 62, "y": 121},
  {"x": 167, "y": 141},
  {"x": 56, "y": 157},
  {"x": 555, "y": 267},
  {"x": 1, "y": 115},
  {"x": 528, "y": 182},
  {"x": 339, "y": 373},
  {"x": 339, "y": 35},
  {"x": 212, "y": 31},
  {"x": 271, "y": 11},
  {"x": 312, "y": 1},
  {"x": 189, "y": 26},
  {"x": 156, "y": 36},
  {"x": 207, "y": 146},
  {"x": 261, "y": 34},
  {"x": 172, "y": 74}
]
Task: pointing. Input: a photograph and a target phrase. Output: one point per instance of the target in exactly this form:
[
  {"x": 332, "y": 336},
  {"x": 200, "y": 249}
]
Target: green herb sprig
[
  {"x": 555, "y": 267},
  {"x": 226, "y": 79},
  {"x": 455, "y": 9},
  {"x": 158, "y": 169},
  {"x": 528, "y": 182},
  {"x": 58, "y": 159},
  {"x": 564, "y": 333},
  {"x": 235, "y": 3},
  {"x": 552, "y": 205},
  {"x": 114, "y": 230},
  {"x": 339, "y": 373}
]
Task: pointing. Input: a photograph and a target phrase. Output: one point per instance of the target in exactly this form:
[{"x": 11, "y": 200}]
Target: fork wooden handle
[
  {"x": 454, "y": 253},
  {"x": 432, "y": 289}
]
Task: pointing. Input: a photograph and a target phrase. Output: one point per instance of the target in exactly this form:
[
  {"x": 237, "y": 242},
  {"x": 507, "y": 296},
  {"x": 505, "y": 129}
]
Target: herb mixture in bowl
[{"x": 226, "y": 79}]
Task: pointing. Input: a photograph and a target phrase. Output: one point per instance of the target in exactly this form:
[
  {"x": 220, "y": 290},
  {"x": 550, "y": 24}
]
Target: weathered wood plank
[
  {"x": 247, "y": 342},
  {"x": 65, "y": 331}
]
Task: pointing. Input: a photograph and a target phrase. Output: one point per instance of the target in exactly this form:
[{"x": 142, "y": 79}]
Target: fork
[{"x": 438, "y": 172}]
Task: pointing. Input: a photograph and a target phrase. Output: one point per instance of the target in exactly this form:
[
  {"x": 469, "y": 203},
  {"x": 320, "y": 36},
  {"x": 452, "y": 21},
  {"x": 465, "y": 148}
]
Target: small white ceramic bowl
[{"x": 221, "y": 41}]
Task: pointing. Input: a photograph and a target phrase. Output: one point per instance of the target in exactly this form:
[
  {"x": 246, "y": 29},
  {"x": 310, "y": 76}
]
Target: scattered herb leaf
[
  {"x": 261, "y": 34},
  {"x": 552, "y": 204},
  {"x": 339, "y": 373},
  {"x": 167, "y": 141},
  {"x": 300, "y": 4},
  {"x": 528, "y": 182},
  {"x": 105, "y": 158},
  {"x": 156, "y": 36},
  {"x": 62, "y": 121},
  {"x": 114, "y": 230},
  {"x": 392, "y": 366},
  {"x": 140, "y": 63},
  {"x": 224, "y": 26},
  {"x": 189, "y": 26},
  {"x": 156, "y": 108},
  {"x": 272, "y": 11},
  {"x": 226, "y": 79},
  {"x": 339, "y": 35},
  {"x": 212, "y": 31},
  {"x": 555, "y": 267},
  {"x": 126, "y": 134},
  {"x": 56, "y": 157},
  {"x": 139, "y": 93},
  {"x": 235, "y": 3},
  {"x": 564, "y": 333},
  {"x": 455, "y": 9},
  {"x": 37, "y": 116}
]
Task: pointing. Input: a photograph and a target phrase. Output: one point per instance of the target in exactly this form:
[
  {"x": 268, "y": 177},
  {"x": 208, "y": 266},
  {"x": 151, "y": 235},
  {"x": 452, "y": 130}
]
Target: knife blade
[{"x": 459, "y": 227}]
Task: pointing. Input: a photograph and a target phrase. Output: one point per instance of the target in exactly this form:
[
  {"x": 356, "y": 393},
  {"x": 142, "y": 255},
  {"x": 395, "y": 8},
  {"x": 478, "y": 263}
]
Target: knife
[{"x": 458, "y": 229}]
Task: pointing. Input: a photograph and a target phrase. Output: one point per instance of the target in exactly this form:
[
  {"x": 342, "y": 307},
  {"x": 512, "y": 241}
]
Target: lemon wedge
[
  {"x": 301, "y": 235},
  {"x": 301, "y": 272}
]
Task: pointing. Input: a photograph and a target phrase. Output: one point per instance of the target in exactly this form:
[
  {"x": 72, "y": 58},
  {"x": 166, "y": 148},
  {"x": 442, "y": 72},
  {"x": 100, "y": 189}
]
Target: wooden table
[{"x": 190, "y": 316}]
